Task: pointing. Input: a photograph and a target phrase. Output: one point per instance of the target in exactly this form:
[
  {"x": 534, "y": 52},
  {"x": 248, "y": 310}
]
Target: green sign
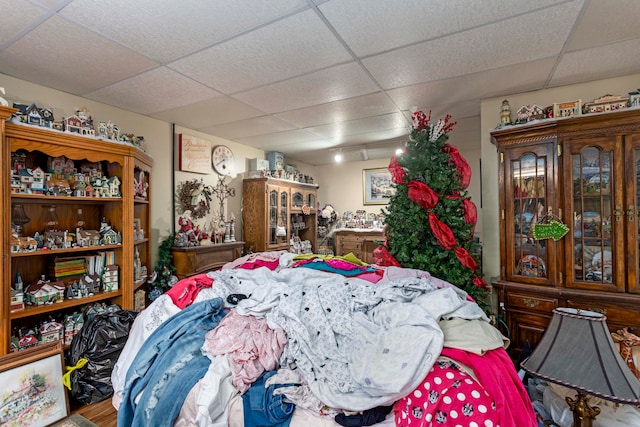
[{"x": 553, "y": 229}]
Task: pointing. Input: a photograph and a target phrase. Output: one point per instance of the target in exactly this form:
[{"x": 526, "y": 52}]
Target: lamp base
[{"x": 583, "y": 414}]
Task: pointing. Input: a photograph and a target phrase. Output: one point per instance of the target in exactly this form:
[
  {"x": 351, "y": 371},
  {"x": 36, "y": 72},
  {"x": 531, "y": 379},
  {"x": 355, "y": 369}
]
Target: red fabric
[
  {"x": 271, "y": 265},
  {"x": 423, "y": 195},
  {"x": 442, "y": 232},
  {"x": 397, "y": 172},
  {"x": 382, "y": 257},
  {"x": 466, "y": 259},
  {"x": 496, "y": 373},
  {"x": 461, "y": 165},
  {"x": 479, "y": 282},
  {"x": 184, "y": 293},
  {"x": 449, "y": 397}
]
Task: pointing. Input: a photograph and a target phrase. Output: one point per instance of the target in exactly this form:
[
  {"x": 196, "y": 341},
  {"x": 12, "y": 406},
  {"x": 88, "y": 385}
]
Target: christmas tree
[
  {"x": 430, "y": 220},
  {"x": 163, "y": 277}
]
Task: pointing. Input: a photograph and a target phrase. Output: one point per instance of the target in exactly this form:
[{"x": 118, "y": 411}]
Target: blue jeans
[
  {"x": 262, "y": 408},
  {"x": 167, "y": 366}
]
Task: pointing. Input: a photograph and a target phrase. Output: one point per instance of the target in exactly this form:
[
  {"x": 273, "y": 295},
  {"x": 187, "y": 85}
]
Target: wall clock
[{"x": 222, "y": 160}]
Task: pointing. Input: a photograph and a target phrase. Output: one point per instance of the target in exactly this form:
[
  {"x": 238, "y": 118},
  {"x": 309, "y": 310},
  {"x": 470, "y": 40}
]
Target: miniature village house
[
  {"x": 606, "y": 103},
  {"x": 567, "y": 109},
  {"x": 51, "y": 331}
]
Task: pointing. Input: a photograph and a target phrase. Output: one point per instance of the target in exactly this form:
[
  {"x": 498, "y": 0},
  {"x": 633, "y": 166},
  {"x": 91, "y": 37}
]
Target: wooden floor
[{"x": 102, "y": 413}]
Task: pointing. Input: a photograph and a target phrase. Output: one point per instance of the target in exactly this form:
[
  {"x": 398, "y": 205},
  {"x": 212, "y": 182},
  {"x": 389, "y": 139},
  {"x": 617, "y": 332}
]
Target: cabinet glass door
[
  {"x": 283, "y": 218},
  {"x": 530, "y": 199},
  {"x": 597, "y": 215},
  {"x": 632, "y": 204},
  {"x": 273, "y": 216}
]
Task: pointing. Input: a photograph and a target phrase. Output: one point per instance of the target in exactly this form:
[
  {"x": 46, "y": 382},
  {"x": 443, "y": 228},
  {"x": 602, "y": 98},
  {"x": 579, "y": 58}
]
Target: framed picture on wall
[
  {"x": 377, "y": 187},
  {"x": 34, "y": 395}
]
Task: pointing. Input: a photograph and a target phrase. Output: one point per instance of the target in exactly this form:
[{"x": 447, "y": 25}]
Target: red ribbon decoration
[
  {"x": 398, "y": 173},
  {"x": 382, "y": 257},
  {"x": 466, "y": 259},
  {"x": 442, "y": 232},
  {"x": 461, "y": 165},
  {"x": 423, "y": 195}
]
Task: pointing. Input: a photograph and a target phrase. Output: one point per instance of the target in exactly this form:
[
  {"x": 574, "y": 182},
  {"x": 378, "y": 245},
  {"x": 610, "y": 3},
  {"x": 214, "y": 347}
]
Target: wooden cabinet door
[
  {"x": 632, "y": 206},
  {"x": 593, "y": 170},
  {"x": 277, "y": 217},
  {"x": 529, "y": 195}
]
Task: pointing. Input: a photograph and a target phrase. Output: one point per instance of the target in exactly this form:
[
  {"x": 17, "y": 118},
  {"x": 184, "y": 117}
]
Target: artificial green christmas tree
[
  {"x": 163, "y": 277},
  {"x": 430, "y": 220}
]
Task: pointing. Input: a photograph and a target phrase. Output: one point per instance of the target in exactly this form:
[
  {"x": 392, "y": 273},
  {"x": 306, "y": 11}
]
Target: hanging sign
[{"x": 550, "y": 229}]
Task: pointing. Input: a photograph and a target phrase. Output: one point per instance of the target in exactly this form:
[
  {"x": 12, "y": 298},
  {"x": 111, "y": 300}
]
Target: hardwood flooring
[{"x": 102, "y": 413}]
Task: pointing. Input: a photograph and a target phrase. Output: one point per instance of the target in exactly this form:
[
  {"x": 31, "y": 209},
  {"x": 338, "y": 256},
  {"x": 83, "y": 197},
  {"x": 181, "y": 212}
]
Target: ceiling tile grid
[{"x": 307, "y": 77}]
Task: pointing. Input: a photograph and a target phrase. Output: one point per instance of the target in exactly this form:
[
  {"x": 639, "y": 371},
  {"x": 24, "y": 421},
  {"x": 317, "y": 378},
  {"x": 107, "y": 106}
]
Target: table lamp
[{"x": 577, "y": 351}]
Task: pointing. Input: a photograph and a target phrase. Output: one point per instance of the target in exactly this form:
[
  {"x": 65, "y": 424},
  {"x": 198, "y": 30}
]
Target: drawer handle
[
  {"x": 531, "y": 303},
  {"x": 602, "y": 311}
]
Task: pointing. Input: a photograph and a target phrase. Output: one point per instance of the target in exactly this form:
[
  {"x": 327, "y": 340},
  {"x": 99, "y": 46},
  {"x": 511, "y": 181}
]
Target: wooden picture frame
[
  {"x": 377, "y": 186},
  {"x": 33, "y": 393}
]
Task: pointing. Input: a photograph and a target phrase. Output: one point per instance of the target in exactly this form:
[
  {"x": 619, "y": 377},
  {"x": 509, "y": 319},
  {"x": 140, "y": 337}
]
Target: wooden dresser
[
  {"x": 200, "y": 259},
  {"x": 359, "y": 241}
]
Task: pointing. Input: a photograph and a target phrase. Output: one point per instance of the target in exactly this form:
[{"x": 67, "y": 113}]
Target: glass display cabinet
[{"x": 583, "y": 172}]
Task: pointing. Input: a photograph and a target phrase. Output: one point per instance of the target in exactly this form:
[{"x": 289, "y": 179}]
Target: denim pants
[
  {"x": 262, "y": 408},
  {"x": 168, "y": 365}
]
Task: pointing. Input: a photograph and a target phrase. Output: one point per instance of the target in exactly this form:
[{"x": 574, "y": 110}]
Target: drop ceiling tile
[
  {"x": 248, "y": 128},
  {"x": 367, "y": 124},
  {"x": 157, "y": 90},
  {"x": 613, "y": 60},
  {"x": 370, "y": 137},
  {"x": 397, "y": 24},
  {"x": 505, "y": 80},
  {"x": 374, "y": 104},
  {"x": 16, "y": 17},
  {"x": 290, "y": 47},
  {"x": 214, "y": 111},
  {"x": 606, "y": 22},
  {"x": 62, "y": 55},
  {"x": 331, "y": 84},
  {"x": 520, "y": 39},
  {"x": 295, "y": 136},
  {"x": 170, "y": 30}
]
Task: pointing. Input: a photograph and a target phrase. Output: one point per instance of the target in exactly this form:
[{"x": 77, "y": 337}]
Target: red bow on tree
[
  {"x": 442, "y": 232},
  {"x": 423, "y": 195}
]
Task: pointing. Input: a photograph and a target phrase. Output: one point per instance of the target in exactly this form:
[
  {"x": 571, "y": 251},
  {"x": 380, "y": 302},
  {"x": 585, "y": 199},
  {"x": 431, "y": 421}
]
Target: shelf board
[
  {"x": 64, "y": 251},
  {"x": 138, "y": 283},
  {"x": 140, "y": 201},
  {"x": 138, "y": 242},
  {"x": 56, "y": 306},
  {"x": 43, "y": 197}
]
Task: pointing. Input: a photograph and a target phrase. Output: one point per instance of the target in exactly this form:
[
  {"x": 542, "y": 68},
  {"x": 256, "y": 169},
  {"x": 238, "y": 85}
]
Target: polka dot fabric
[{"x": 449, "y": 397}]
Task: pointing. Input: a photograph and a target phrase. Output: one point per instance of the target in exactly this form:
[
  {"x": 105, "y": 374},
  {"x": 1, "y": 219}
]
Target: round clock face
[{"x": 222, "y": 160}]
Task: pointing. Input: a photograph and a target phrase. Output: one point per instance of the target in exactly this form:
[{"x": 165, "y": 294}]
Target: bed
[{"x": 280, "y": 339}]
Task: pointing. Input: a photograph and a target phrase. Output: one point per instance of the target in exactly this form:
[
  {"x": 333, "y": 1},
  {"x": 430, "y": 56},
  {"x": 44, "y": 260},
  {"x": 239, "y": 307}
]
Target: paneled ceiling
[{"x": 306, "y": 77}]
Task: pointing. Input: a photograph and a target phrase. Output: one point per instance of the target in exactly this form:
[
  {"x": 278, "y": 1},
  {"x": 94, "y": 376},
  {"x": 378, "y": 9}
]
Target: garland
[{"x": 195, "y": 196}]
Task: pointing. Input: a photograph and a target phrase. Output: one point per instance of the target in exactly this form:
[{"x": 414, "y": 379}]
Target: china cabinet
[
  {"x": 274, "y": 211},
  {"x": 583, "y": 173},
  {"x": 90, "y": 224}
]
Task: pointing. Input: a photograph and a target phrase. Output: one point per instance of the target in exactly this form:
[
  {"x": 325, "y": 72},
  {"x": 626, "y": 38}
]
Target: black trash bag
[{"x": 100, "y": 341}]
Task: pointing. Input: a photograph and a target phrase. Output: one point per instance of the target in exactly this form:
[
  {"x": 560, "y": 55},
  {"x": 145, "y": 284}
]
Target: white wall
[
  {"x": 157, "y": 135},
  {"x": 490, "y": 117}
]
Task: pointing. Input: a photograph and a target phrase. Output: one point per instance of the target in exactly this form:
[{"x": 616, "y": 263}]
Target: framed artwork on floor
[
  {"x": 377, "y": 186},
  {"x": 33, "y": 394}
]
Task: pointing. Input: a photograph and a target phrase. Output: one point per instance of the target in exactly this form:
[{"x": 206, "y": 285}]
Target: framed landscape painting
[
  {"x": 33, "y": 394},
  {"x": 377, "y": 187}
]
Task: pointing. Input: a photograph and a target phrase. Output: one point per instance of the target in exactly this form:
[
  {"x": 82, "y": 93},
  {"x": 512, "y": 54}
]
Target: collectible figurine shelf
[{"x": 69, "y": 235}]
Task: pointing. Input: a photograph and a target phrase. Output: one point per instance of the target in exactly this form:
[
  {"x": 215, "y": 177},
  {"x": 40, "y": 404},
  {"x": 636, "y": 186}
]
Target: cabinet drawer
[
  {"x": 618, "y": 315},
  {"x": 533, "y": 303}
]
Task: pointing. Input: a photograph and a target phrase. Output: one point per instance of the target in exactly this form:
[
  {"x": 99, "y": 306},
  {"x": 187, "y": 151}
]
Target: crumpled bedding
[{"x": 357, "y": 345}]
